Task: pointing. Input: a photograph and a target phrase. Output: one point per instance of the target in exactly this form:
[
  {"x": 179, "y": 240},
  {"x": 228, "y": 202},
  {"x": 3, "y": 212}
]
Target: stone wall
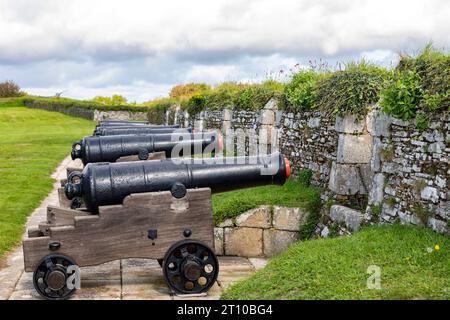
[
  {"x": 100, "y": 115},
  {"x": 309, "y": 140},
  {"x": 261, "y": 232},
  {"x": 411, "y": 174},
  {"x": 71, "y": 111},
  {"x": 387, "y": 168}
]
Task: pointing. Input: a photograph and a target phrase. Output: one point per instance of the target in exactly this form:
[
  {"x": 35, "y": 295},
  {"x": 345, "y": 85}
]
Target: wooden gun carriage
[{"x": 155, "y": 225}]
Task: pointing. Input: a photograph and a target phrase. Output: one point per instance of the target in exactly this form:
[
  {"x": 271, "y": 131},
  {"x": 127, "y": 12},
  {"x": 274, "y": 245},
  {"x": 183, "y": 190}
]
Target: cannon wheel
[
  {"x": 50, "y": 277},
  {"x": 190, "y": 267}
]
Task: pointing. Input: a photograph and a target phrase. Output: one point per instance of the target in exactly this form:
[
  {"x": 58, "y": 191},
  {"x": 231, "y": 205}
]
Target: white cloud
[{"x": 108, "y": 43}]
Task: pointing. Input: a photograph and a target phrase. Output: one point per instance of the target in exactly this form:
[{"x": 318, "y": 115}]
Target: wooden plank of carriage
[{"x": 121, "y": 231}]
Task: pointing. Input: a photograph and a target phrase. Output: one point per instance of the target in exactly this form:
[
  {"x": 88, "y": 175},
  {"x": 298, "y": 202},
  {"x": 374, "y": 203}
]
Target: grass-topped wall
[{"x": 417, "y": 87}]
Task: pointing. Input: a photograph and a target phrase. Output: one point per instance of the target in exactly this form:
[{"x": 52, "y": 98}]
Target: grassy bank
[
  {"x": 414, "y": 264},
  {"x": 294, "y": 193},
  {"x": 32, "y": 143}
]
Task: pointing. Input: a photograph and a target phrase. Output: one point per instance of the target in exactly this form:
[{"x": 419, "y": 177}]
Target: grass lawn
[
  {"x": 32, "y": 143},
  {"x": 336, "y": 268},
  {"x": 294, "y": 193}
]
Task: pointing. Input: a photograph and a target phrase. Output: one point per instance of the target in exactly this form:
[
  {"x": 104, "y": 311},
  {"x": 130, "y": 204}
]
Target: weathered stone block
[
  {"x": 366, "y": 174},
  {"x": 378, "y": 123},
  {"x": 375, "y": 160},
  {"x": 272, "y": 104},
  {"x": 377, "y": 190},
  {"x": 349, "y": 124},
  {"x": 345, "y": 179},
  {"x": 255, "y": 218},
  {"x": 443, "y": 209},
  {"x": 325, "y": 232},
  {"x": 267, "y": 135},
  {"x": 288, "y": 219},
  {"x": 354, "y": 148},
  {"x": 409, "y": 218},
  {"x": 218, "y": 241},
  {"x": 244, "y": 242},
  {"x": 351, "y": 218},
  {"x": 276, "y": 241},
  {"x": 267, "y": 117},
  {"x": 430, "y": 193},
  {"x": 226, "y": 223},
  {"x": 227, "y": 114},
  {"x": 314, "y": 122},
  {"x": 437, "y": 225},
  {"x": 391, "y": 167}
]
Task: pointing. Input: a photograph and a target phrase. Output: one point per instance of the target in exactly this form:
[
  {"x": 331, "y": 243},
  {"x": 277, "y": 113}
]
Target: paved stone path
[{"x": 122, "y": 279}]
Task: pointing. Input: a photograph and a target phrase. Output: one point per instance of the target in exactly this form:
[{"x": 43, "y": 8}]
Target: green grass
[
  {"x": 32, "y": 143},
  {"x": 336, "y": 268},
  {"x": 294, "y": 193}
]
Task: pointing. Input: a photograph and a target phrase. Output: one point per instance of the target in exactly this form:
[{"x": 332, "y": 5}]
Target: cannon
[
  {"x": 111, "y": 148},
  {"x": 122, "y": 121},
  {"x": 118, "y": 125},
  {"x": 113, "y": 131},
  {"x": 157, "y": 209},
  {"x": 109, "y": 183}
]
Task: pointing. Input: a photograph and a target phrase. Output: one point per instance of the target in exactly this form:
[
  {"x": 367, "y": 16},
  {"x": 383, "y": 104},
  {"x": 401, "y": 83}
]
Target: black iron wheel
[
  {"x": 50, "y": 277},
  {"x": 190, "y": 267}
]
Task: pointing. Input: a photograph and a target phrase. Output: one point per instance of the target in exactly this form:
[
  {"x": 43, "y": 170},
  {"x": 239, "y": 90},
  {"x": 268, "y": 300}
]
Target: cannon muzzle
[{"x": 109, "y": 183}]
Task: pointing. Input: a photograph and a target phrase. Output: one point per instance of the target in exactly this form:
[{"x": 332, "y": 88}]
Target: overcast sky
[{"x": 141, "y": 48}]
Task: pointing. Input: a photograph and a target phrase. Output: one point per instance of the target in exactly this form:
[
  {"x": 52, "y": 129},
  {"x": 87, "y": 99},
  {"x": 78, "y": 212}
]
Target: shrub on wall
[
  {"x": 254, "y": 97},
  {"x": 115, "y": 100},
  {"x": 301, "y": 92},
  {"x": 157, "y": 109},
  {"x": 195, "y": 104},
  {"x": 235, "y": 96},
  {"x": 402, "y": 96},
  {"x": 186, "y": 91},
  {"x": 351, "y": 91},
  {"x": 224, "y": 95},
  {"x": 421, "y": 85}
]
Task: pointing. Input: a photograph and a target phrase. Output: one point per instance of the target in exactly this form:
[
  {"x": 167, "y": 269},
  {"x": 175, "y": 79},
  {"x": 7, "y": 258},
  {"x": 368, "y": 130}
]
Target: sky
[{"x": 140, "y": 49}]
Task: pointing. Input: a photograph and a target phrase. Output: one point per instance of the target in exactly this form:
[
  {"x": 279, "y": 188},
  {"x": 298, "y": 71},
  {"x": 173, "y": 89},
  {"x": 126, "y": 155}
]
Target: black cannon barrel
[
  {"x": 122, "y": 122},
  {"x": 109, "y": 183},
  {"x": 135, "y": 131},
  {"x": 100, "y": 127},
  {"x": 135, "y": 124},
  {"x": 111, "y": 148}
]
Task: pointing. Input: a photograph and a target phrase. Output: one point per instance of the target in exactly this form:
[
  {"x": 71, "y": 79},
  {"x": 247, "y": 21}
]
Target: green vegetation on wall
[
  {"x": 114, "y": 100},
  {"x": 55, "y": 103},
  {"x": 418, "y": 86},
  {"x": 421, "y": 85},
  {"x": 302, "y": 91},
  {"x": 351, "y": 91}
]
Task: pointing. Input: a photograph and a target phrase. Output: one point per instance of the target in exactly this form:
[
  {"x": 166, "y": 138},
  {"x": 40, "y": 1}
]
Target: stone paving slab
[{"x": 128, "y": 279}]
